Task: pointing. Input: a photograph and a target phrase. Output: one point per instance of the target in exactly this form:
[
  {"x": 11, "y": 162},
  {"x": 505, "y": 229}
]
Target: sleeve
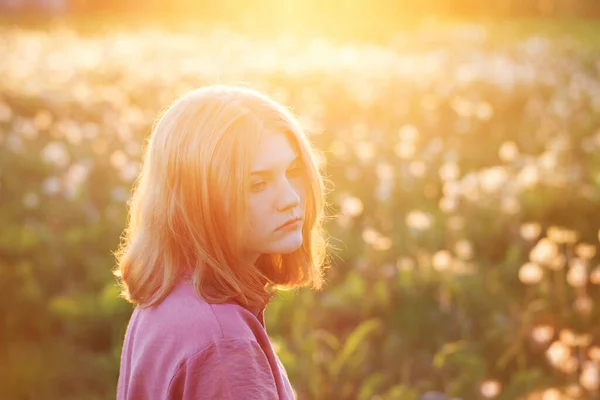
[{"x": 229, "y": 369}]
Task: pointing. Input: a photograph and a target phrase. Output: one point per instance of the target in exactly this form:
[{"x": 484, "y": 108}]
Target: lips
[{"x": 289, "y": 223}]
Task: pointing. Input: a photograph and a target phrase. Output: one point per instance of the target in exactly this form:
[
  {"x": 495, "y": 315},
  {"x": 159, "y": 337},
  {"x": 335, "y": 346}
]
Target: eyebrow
[{"x": 265, "y": 172}]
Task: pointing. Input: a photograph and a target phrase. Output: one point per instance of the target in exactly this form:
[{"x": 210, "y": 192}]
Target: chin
[{"x": 289, "y": 244}]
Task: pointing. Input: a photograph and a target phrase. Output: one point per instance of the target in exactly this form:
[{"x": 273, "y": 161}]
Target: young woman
[{"x": 228, "y": 209}]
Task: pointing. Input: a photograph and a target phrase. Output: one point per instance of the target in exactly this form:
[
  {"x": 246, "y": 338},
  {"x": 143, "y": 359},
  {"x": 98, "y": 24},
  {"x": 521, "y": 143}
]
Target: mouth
[{"x": 289, "y": 224}]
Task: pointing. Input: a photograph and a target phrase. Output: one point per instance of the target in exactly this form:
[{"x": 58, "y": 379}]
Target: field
[{"x": 464, "y": 178}]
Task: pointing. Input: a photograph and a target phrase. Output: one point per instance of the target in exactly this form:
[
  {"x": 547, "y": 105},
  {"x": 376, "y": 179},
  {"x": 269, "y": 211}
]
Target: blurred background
[{"x": 462, "y": 139}]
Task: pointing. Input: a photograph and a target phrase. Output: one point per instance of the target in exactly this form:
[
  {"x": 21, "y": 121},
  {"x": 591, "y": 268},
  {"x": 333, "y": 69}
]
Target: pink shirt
[{"x": 186, "y": 348}]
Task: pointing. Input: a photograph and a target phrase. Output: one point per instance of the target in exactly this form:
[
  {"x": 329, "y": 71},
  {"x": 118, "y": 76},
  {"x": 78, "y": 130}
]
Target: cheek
[
  {"x": 300, "y": 186},
  {"x": 257, "y": 215},
  {"x": 252, "y": 210}
]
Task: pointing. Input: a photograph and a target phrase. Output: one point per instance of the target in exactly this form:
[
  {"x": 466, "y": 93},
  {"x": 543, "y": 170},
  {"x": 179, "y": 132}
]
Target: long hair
[{"x": 187, "y": 212}]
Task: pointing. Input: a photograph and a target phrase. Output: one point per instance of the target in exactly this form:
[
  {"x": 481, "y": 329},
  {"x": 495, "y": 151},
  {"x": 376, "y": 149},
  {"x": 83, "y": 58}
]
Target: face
[{"x": 276, "y": 196}]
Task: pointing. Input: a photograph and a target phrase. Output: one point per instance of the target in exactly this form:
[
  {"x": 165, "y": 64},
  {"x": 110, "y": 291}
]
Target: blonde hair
[{"x": 187, "y": 211}]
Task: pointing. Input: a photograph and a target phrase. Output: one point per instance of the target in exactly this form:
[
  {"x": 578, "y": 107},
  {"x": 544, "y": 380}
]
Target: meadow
[{"x": 464, "y": 191}]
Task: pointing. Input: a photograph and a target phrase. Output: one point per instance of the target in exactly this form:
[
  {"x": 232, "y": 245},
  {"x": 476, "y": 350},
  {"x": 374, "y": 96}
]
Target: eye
[{"x": 258, "y": 186}]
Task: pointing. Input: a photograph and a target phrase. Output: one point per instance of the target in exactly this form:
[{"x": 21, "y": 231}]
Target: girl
[{"x": 228, "y": 209}]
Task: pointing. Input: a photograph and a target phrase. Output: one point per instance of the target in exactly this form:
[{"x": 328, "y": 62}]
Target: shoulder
[
  {"x": 185, "y": 320},
  {"x": 167, "y": 345}
]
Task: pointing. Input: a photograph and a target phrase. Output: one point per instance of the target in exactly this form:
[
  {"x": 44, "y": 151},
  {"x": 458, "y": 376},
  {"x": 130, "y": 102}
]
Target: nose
[{"x": 288, "y": 198}]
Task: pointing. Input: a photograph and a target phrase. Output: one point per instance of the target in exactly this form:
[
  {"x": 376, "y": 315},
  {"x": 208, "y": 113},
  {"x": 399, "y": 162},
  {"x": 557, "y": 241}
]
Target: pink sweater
[{"x": 186, "y": 348}]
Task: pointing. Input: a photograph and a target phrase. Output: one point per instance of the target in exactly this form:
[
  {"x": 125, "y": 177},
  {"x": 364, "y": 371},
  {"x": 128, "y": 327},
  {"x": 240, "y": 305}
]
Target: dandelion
[
  {"x": 582, "y": 340},
  {"x": 464, "y": 249},
  {"x": 408, "y": 133},
  {"x": 528, "y": 176},
  {"x": 462, "y": 107},
  {"x": 586, "y": 251},
  {"x": 490, "y": 388},
  {"x": 276, "y": 346},
  {"x": 590, "y": 376},
  {"x": 435, "y": 146},
  {"x": 544, "y": 251},
  {"x": 405, "y": 264},
  {"x": 132, "y": 148},
  {"x": 351, "y": 206},
  {"x": 382, "y": 243},
  {"x": 561, "y": 235},
  {"x": 548, "y": 161},
  {"x": 42, "y": 120},
  {"x": 361, "y": 264},
  {"x": 352, "y": 173},
  {"x": 451, "y": 189},
  {"x": 508, "y": 151},
  {"x": 470, "y": 187},
  {"x": 442, "y": 260},
  {"x": 118, "y": 159},
  {"x": 343, "y": 221},
  {"x": 365, "y": 151},
  {"x": 530, "y": 273},
  {"x": 52, "y": 185},
  {"x": 583, "y": 305},
  {"x": 448, "y": 204},
  {"x": 26, "y": 128},
  {"x": 484, "y": 111},
  {"x": 417, "y": 168},
  {"x": 530, "y": 231},
  {"x": 567, "y": 337},
  {"x": 542, "y": 334},
  {"x": 388, "y": 270},
  {"x": 577, "y": 276},
  {"x": 339, "y": 149},
  {"x": 558, "y": 353},
  {"x": 70, "y": 130},
  {"x": 56, "y": 153},
  {"x": 594, "y": 353},
  {"x": 574, "y": 390},
  {"x": 595, "y": 276},
  {"x": 383, "y": 191},
  {"x": 31, "y": 200},
  {"x": 419, "y": 220},
  {"x": 578, "y": 263},
  {"x": 449, "y": 172},
  {"x": 430, "y": 102},
  {"x": 385, "y": 171},
  {"x": 510, "y": 205},
  {"x": 569, "y": 366},
  {"x": 6, "y": 112},
  {"x": 492, "y": 179},
  {"x": 99, "y": 146},
  {"x": 370, "y": 235},
  {"x": 463, "y": 268},
  {"x": 14, "y": 143},
  {"x": 456, "y": 223},
  {"x": 551, "y": 394},
  {"x": 120, "y": 194},
  {"x": 405, "y": 150},
  {"x": 129, "y": 171},
  {"x": 557, "y": 263},
  {"x": 75, "y": 175}
]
